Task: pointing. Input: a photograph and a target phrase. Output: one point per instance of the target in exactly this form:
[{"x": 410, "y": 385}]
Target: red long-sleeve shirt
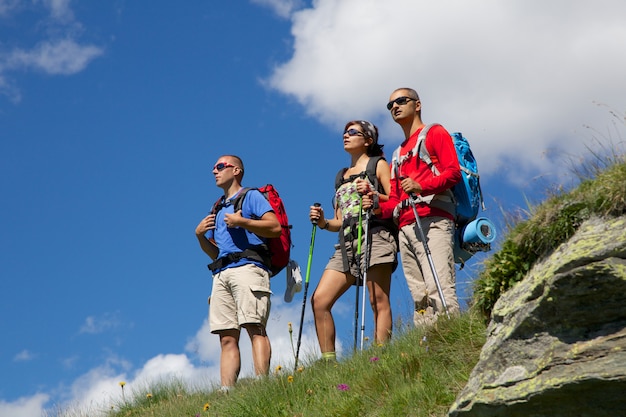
[{"x": 441, "y": 149}]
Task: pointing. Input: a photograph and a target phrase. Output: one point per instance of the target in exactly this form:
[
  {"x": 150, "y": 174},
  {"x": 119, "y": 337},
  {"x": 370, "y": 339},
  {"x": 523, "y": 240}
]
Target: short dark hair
[
  {"x": 411, "y": 92},
  {"x": 238, "y": 162}
]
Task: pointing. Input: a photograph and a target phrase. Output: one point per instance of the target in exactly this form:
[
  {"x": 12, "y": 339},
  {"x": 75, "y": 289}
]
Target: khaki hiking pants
[{"x": 417, "y": 271}]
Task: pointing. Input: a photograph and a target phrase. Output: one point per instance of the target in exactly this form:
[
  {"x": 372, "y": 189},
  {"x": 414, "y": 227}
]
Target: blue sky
[{"x": 113, "y": 113}]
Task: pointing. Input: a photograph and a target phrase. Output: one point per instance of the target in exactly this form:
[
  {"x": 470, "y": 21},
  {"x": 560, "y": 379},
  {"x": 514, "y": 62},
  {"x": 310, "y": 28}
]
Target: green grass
[
  {"x": 551, "y": 224},
  {"x": 419, "y": 373}
]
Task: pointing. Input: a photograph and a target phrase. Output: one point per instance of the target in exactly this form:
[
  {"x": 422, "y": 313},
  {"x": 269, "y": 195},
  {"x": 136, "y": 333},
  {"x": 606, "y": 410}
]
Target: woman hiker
[{"x": 368, "y": 173}]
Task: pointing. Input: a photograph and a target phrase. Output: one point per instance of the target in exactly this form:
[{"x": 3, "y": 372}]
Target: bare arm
[
  {"x": 316, "y": 214},
  {"x": 383, "y": 172}
]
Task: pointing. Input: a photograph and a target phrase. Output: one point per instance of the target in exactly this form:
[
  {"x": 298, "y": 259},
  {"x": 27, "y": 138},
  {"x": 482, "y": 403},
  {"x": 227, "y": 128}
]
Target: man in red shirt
[{"x": 435, "y": 207}]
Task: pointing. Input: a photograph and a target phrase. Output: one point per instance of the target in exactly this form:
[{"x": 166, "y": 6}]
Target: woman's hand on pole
[
  {"x": 316, "y": 214},
  {"x": 362, "y": 186},
  {"x": 368, "y": 201}
]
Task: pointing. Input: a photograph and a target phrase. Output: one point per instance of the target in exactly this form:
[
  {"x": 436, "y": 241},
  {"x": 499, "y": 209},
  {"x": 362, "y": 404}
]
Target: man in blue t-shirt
[{"x": 241, "y": 282}]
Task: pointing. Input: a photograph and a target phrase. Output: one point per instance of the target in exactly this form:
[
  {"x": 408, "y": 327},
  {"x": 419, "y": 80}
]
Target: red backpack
[{"x": 279, "y": 247}]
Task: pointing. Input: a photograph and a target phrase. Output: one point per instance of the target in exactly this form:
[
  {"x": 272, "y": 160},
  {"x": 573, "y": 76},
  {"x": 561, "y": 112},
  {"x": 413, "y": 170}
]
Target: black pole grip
[{"x": 316, "y": 205}]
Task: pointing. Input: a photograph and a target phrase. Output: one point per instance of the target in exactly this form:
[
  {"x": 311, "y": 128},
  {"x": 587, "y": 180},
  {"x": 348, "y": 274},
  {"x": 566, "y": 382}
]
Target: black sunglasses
[
  {"x": 223, "y": 165},
  {"x": 400, "y": 101},
  {"x": 354, "y": 132}
]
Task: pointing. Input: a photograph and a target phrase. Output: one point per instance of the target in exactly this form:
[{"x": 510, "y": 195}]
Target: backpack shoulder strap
[
  {"x": 339, "y": 177},
  {"x": 421, "y": 150},
  {"x": 370, "y": 170},
  {"x": 395, "y": 162},
  {"x": 238, "y": 201},
  {"x": 218, "y": 205}
]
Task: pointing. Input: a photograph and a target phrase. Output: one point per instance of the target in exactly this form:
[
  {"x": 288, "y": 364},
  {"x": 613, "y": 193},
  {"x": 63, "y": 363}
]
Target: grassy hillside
[
  {"x": 418, "y": 374},
  {"x": 602, "y": 193}
]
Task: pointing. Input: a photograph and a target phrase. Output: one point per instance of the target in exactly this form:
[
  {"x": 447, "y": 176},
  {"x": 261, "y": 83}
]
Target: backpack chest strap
[{"x": 444, "y": 201}]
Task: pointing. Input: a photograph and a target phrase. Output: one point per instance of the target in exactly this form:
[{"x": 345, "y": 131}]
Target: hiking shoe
[
  {"x": 224, "y": 390},
  {"x": 294, "y": 280}
]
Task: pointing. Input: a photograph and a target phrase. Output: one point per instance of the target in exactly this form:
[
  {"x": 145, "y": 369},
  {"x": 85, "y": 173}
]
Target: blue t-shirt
[{"x": 237, "y": 239}]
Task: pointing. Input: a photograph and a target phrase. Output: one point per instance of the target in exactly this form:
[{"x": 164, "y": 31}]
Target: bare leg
[
  {"x": 331, "y": 286},
  {"x": 230, "y": 359},
  {"x": 379, "y": 285},
  {"x": 261, "y": 349}
]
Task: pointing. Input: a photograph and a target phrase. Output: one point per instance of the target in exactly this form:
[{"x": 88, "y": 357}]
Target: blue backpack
[{"x": 473, "y": 233}]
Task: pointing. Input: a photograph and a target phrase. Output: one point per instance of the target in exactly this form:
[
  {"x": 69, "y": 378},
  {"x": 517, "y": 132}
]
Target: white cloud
[
  {"x": 24, "y": 356},
  {"x": 60, "y": 9},
  {"x": 24, "y": 407},
  {"x": 95, "y": 325},
  {"x": 69, "y": 362},
  {"x": 60, "y": 57},
  {"x": 283, "y": 8},
  {"x": 97, "y": 390},
  {"x": 517, "y": 78},
  {"x": 58, "y": 54}
]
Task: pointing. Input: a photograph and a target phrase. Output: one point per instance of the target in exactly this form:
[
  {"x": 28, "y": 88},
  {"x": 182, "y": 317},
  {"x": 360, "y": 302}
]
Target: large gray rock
[{"x": 556, "y": 345}]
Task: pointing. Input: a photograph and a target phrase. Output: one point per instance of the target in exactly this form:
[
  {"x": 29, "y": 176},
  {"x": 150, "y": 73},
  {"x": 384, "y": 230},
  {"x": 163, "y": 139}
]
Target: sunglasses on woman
[{"x": 354, "y": 132}]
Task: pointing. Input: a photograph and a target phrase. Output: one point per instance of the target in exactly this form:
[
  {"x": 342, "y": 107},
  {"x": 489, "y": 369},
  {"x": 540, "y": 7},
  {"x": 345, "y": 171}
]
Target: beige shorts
[
  {"x": 240, "y": 296},
  {"x": 382, "y": 247}
]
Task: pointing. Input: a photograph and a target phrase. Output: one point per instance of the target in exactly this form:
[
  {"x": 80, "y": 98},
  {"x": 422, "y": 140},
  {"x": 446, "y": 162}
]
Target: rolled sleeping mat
[
  {"x": 480, "y": 230},
  {"x": 476, "y": 236}
]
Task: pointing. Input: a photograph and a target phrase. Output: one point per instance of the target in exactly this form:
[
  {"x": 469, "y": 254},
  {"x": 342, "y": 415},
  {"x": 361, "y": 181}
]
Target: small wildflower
[
  {"x": 148, "y": 395},
  {"x": 197, "y": 414},
  {"x": 343, "y": 387},
  {"x": 206, "y": 406},
  {"x": 278, "y": 368},
  {"x": 300, "y": 369},
  {"x": 122, "y": 383},
  {"x": 309, "y": 391},
  {"x": 374, "y": 359},
  {"x": 290, "y": 378},
  {"x": 403, "y": 355},
  {"x": 293, "y": 350},
  {"x": 366, "y": 338}
]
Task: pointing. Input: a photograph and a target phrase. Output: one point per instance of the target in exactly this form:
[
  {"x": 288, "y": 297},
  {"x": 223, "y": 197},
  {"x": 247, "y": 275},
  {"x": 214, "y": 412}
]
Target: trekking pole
[
  {"x": 306, "y": 286},
  {"x": 366, "y": 266},
  {"x": 412, "y": 198},
  {"x": 358, "y": 251}
]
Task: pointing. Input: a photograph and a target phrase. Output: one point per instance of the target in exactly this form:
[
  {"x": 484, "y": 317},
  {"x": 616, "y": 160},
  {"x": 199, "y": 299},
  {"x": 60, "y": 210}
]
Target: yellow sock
[{"x": 329, "y": 356}]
